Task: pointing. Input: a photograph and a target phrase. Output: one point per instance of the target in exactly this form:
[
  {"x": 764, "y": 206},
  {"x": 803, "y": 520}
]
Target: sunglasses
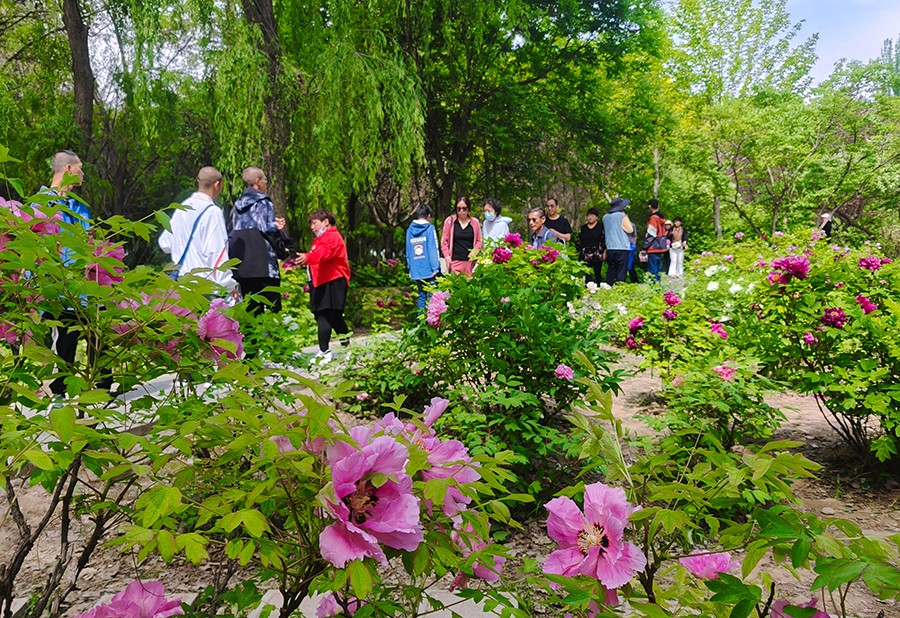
[
  {"x": 463, "y": 209},
  {"x": 534, "y": 218}
]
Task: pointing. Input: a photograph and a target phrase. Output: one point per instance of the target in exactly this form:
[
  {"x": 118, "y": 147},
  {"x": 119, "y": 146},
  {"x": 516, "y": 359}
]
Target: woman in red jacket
[{"x": 329, "y": 278}]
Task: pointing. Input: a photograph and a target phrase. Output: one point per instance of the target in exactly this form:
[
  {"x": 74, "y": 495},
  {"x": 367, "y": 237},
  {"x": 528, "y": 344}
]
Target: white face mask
[
  {"x": 489, "y": 216},
  {"x": 320, "y": 232}
]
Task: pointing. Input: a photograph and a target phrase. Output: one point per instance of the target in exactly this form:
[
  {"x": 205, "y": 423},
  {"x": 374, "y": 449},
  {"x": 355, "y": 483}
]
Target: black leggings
[{"x": 328, "y": 320}]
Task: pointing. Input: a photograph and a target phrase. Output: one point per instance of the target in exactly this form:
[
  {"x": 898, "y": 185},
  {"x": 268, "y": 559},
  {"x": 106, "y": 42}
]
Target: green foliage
[
  {"x": 386, "y": 273},
  {"x": 380, "y": 309}
]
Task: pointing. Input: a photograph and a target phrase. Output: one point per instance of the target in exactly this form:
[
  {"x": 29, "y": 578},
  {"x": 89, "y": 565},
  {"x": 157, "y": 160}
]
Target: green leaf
[
  {"x": 39, "y": 459},
  {"x": 194, "y": 547},
  {"x": 360, "y": 579},
  {"x": 158, "y": 502},
  {"x": 246, "y": 554},
  {"x": 800, "y": 551},
  {"x": 255, "y": 523},
  {"x": 63, "y": 422},
  {"x": 577, "y": 597},
  {"x": 166, "y": 545},
  {"x": 18, "y": 185}
]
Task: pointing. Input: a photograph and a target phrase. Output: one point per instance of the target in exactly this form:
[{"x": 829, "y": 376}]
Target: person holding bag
[
  {"x": 460, "y": 237},
  {"x": 656, "y": 244}
]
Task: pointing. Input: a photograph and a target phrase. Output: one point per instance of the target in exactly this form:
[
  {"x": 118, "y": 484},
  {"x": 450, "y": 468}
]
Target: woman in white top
[{"x": 495, "y": 227}]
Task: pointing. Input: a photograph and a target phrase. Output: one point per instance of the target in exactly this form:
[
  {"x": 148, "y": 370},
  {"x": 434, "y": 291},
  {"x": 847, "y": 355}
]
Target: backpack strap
[{"x": 191, "y": 237}]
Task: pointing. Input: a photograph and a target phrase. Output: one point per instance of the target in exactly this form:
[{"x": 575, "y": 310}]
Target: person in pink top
[{"x": 460, "y": 238}]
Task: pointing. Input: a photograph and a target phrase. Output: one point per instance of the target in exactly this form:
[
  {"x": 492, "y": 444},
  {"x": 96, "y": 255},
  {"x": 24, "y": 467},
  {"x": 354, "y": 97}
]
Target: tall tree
[{"x": 82, "y": 73}]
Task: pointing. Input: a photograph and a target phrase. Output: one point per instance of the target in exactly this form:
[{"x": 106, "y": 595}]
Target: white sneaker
[{"x": 322, "y": 358}]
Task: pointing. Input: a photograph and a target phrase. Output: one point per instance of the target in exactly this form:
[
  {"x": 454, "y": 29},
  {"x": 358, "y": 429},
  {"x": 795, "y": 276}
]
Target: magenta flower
[
  {"x": 677, "y": 381},
  {"x": 362, "y": 397},
  {"x": 809, "y": 338},
  {"x": 726, "y": 372},
  {"x": 834, "y": 317},
  {"x": 138, "y": 600},
  {"x": 380, "y": 304},
  {"x": 591, "y": 543},
  {"x": 669, "y": 314},
  {"x": 777, "y": 234},
  {"x": 886, "y": 261},
  {"x": 501, "y": 255},
  {"x": 793, "y": 266},
  {"x": 779, "y": 606},
  {"x": 839, "y": 284},
  {"x": 8, "y": 333},
  {"x": 215, "y": 326},
  {"x": 718, "y": 329},
  {"x": 636, "y": 324},
  {"x": 631, "y": 343},
  {"x": 739, "y": 235},
  {"x": 871, "y": 263},
  {"x": 672, "y": 299},
  {"x": 550, "y": 254},
  {"x": 94, "y": 272},
  {"x": 392, "y": 263},
  {"x": 513, "y": 240},
  {"x": 437, "y": 306},
  {"x": 708, "y": 566},
  {"x": 728, "y": 258},
  {"x": 565, "y": 372},
  {"x": 867, "y": 305},
  {"x": 434, "y": 410},
  {"x": 332, "y": 605},
  {"x": 373, "y": 500}
]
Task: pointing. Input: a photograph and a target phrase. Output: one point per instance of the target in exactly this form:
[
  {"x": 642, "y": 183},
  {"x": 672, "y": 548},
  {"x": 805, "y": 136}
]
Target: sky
[{"x": 852, "y": 29}]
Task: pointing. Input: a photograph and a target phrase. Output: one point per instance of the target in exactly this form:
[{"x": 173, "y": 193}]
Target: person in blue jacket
[{"x": 422, "y": 253}]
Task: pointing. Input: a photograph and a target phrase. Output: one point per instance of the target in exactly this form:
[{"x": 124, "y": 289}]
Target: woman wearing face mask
[
  {"x": 460, "y": 237},
  {"x": 329, "y": 280},
  {"x": 496, "y": 227}
]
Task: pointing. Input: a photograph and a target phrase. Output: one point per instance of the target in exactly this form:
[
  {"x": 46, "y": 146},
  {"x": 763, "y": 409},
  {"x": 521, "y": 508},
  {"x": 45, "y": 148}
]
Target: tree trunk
[
  {"x": 262, "y": 14},
  {"x": 657, "y": 178},
  {"x": 82, "y": 74},
  {"x": 717, "y": 215}
]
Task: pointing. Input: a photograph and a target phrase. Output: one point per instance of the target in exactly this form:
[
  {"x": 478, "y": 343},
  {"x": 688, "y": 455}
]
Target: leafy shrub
[
  {"x": 379, "y": 309},
  {"x": 501, "y": 349},
  {"x": 384, "y": 274}
]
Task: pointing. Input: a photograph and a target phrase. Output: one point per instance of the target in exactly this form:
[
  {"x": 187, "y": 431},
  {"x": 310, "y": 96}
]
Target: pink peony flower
[
  {"x": 550, "y": 254},
  {"x": 216, "y": 326},
  {"x": 8, "y": 333},
  {"x": 726, "y": 372},
  {"x": 636, "y": 324},
  {"x": 672, "y": 299},
  {"x": 779, "y": 234},
  {"x": 728, "y": 258},
  {"x": 871, "y": 263},
  {"x": 817, "y": 235},
  {"x": 839, "y": 284},
  {"x": 809, "y": 338},
  {"x": 374, "y": 501},
  {"x": 793, "y": 266},
  {"x": 362, "y": 397},
  {"x": 138, "y": 600},
  {"x": 434, "y": 410},
  {"x": 470, "y": 542},
  {"x": 886, "y": 261},
  {"x": 501, "y": 255},
  {"x": 677, "y": 381},
  {"x": 779, "y": 606},
  {"x": 94, "y": 272},
  {"x": 565, "y": 372},
  {"x": 437, "y": 306},
  {"x": 380, "y": 304},
  {"x": 591, "y": 543},
  {"x": 505, "y": 299},
  {"x": 669, "y": 314},
  {"x": 332, "y": 605},
  {"x": 708, "y": 566},
  {"x": 513, "y": 240},
  {"x": 631, "y": 343},
  {"x": 718, "y": 329},
  {"x": 867, "y": 305},
  {"x": 834, "y": 317},
  {"x": 739, "y": 235},
  {"x": 392, "y": 262}
]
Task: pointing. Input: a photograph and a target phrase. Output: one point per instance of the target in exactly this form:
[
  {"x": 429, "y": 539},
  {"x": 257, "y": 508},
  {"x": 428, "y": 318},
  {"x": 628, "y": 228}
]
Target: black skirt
[{"x": 329, "y": 295}]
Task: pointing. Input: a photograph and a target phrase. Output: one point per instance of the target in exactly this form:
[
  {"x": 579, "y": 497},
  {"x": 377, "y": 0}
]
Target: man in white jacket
[{"x": 199, "y": 240}]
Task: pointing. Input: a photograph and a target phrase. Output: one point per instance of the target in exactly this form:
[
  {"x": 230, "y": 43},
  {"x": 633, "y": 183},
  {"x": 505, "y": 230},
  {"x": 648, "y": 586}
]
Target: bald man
[
  {"x": 256, "y": 240},
  {"x": 198, "y": 240}
]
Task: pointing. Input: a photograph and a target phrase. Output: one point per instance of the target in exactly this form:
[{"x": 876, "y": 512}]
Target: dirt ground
[{"x": 874, "y": 504}]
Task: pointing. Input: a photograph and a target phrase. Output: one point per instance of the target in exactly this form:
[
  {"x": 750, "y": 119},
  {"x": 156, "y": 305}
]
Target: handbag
[
  {"x": 174, "y": 274},
  {"x": 676, "y": 244},
  {"x": 445, "y": 265}
]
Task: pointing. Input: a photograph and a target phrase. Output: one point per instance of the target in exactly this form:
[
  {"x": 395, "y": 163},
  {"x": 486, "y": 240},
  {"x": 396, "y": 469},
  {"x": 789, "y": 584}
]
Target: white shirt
[{"x": 209, "y": 247}]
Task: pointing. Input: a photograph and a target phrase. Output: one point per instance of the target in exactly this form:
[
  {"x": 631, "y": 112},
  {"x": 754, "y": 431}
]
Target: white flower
[
  {"x": 605, "y": 286},
  {"x": 735, "y": 289},
  {"x": 715, "y": 268},
  {"x": 622, "y": 309},
  {"x": 712, "y": 286},
  {"x": 750, "y": 287}
]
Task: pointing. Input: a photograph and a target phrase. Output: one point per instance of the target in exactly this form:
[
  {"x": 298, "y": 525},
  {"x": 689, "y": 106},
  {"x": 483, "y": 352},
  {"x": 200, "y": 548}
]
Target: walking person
[
  {"x": 198, "y": 241},
  {"x": 422, "y": 254},
  {"x": 329, "y": 280},
  {"x": 616, "y": 229},
  {"x": 496, "y": 226},
  {"x": 677, "y": 244},
  {"x": 592, "y": 245},
  {"x": 460, "y": 237},
  {"x": 656, "y": 243},
  {"x": 257, "y": 241}
]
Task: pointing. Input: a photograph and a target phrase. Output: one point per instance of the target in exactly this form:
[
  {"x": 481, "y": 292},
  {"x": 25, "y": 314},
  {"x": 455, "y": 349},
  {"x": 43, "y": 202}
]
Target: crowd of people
[{"x": 610, "y": 240}]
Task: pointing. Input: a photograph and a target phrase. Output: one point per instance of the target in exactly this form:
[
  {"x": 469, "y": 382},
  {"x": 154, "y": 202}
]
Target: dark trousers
[
  {"x": 616, "y": 265},
  {"x": 596, "y": 274},
  {"x": 655, "y": 264},
  {"x": 254, "y": 286},
  {"x": 328, "y": 320},
  {"x": 65, "y": 345}
]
